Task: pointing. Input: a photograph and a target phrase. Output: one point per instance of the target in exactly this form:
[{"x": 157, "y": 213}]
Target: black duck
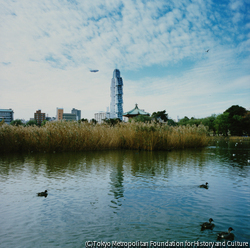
[
  {"x": 207, "y": 225},
  {"x": 45, "y": 193},
  {"x": 226, "y": 235},
  {"x": 205, "y": 186}
]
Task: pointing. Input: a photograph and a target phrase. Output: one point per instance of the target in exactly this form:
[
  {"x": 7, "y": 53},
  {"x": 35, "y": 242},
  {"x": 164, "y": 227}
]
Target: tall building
[
  {"x": 39, "y": 117},
  {"x": 77, "y": 113},
  {"x": 116, "y": 93},
  {"x": 7, "y": 115},
  {"x": 59, "y": 114},
  {"x": 99, "y": 117}
]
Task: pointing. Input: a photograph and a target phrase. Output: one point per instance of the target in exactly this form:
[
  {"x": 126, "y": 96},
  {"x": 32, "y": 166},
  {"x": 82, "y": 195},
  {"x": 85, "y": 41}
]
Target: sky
[{"x": 47, "y": 49}]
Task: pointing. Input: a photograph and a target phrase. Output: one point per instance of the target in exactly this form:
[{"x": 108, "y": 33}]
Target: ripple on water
[{"x": 107, "y": 196}]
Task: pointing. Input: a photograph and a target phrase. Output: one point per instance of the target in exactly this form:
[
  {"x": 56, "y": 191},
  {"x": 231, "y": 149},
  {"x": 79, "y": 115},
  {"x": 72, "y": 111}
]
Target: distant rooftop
[
  {"x": 6, "y": 110},
  {"x": 134, "y": 112}
]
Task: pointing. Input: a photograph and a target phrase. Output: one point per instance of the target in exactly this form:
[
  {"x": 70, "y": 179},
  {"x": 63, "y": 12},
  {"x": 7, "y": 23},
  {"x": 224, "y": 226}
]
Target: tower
[{"x": 116, "y": 93}]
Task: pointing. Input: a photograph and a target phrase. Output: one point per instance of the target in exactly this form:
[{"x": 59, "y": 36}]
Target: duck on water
[
  {"x": 207, "y": 225},
  {"x": 205, "y": 186},
  {"x": 45, "y": 193},
  {"x": 226, "y": 235}
]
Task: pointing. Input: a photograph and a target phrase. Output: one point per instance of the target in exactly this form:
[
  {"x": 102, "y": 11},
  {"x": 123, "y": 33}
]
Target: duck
[
  {"x": 205, "y": 186},
  {"x": 207, "y": 225},
  {"x": 45, "y": 193},
  {"x": 226, "y": 235}
]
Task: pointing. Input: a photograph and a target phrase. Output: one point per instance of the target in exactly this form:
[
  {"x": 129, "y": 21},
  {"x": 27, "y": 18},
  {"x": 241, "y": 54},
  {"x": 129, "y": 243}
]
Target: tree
[
  {"x": 172, "y": 122},
  {"x": 160, "y": 115},
  {"x": 222, "y": 124},
  {"x": 17, "y": 122},
  {"x": 112, "y": 122},
  {"x": 141, "y": 118},
  {"x": 184, "y": 121},
  {"x": 246, "y": 123},
  {"x": 235, "y": 116},
  {"x": 83, "y": 120},
  {"x": 93, "y": 121},
  {"x": 31, "y": 123},
  {"x": 43, "y": 123},
  {"x": 210, "y": 122}
]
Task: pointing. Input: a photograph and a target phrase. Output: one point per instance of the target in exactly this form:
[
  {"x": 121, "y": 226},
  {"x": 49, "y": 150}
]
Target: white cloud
[{"x": 48, "y": 47}]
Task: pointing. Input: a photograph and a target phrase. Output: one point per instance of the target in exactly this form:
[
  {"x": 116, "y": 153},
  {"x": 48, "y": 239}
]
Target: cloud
[{"x": 47, "y": 49}]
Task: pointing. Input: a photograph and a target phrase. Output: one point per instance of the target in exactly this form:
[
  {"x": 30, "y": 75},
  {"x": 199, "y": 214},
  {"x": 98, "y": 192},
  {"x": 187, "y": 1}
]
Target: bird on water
[
  {"x": 205, "y": 186},
  {"x": 207, "y": 225},
  {"x": 226, "y": 235},
  {"x": 45, "y": 193}
]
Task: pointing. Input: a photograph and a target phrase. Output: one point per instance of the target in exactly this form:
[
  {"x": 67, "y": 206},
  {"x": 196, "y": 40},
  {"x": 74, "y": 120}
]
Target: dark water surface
[{"x": 124, "y": 196}]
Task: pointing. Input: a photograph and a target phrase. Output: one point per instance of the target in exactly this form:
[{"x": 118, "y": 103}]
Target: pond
[{"x": 124, "y": 195}]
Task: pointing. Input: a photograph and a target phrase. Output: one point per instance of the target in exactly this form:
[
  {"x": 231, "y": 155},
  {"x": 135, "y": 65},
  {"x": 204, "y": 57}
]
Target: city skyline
[{"x": 190, "y": 58}]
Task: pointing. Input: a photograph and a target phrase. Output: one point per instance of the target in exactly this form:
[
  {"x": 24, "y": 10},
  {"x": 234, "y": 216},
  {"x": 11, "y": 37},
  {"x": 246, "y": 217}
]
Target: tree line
[{"x": 233, "y": 121}]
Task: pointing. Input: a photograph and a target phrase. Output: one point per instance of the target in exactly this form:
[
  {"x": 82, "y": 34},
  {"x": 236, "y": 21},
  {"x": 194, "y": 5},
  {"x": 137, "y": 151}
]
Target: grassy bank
[{"x": 74, "y": 136}]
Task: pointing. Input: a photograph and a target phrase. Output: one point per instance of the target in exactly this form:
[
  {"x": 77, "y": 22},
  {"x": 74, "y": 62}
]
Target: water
[{"x": 124, "y": 196}]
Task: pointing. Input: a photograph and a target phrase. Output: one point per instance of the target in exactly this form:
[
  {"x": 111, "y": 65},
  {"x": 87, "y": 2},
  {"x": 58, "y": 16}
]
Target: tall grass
[{"x": 73, "y": 136}]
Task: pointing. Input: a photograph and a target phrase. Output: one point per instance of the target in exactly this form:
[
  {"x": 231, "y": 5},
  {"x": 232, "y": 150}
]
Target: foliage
[
  {"x": 246, "y": 123},
  {"x": 235, "y": 114},
  {"x": 234, "y": 121},
  {"x": 17, "y": 122},
  {"x": 141, "y": 118},
  {"x": 112, "y": 122},
  {"x": 83, "y": 120},
  {"x": 33, "y": 123},
  {"x": 172, "y": 122},
  {"x": 43, "y": 123},
  {"x": 210, "y": 123},
  {"x": 184, "y": 121},
  {"x": 222, "y": 124},
  {"x": 160, "y": 115},
  {"x": 93, "y": 121},
  {"x": 2, "y": 122}
]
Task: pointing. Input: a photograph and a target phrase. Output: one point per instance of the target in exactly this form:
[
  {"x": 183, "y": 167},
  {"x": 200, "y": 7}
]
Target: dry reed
[{"x": 63, "y": 136}]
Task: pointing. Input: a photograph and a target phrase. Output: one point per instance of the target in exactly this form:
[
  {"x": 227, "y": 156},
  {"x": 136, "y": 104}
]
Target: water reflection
[{"x": 124, "y": 195}]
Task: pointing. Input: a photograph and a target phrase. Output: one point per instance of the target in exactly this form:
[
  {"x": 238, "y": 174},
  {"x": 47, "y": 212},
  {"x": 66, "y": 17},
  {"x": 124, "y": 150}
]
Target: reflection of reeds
[{"x": 74, "y": 136}]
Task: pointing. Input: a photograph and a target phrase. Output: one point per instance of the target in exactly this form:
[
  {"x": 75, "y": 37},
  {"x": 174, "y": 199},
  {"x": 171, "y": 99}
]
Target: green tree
[
  {"x": 83, "y": 120},
  {"x": 160, "y": 115},
  {"x": 235, "y": 117},
  {"x": 17, "y": 122},
  {"x": 93, "y": 121},
  {"x": 184, "y": 121},
  {"x": 210, "y": 123},
  {"x": 31, "y": 123},
  {"x": 246, "y": 123},
  {"x": 141, "y": 118},
  {"x": 44, "y": 122},
  {"x": 222, "y": 124},
  {"x": 112, "y": 122},
  {"x": 172, "y": 122}
]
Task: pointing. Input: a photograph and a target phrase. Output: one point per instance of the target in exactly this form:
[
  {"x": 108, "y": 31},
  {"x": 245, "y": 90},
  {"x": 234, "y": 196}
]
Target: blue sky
[{"x": 48, "y": 47}]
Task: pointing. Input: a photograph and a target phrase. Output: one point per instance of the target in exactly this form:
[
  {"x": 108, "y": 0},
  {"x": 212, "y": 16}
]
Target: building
[
  {"x": 135, "y": 112},
  {"x": 77, "y": 113},
  {"x": 59, "y": 114},
  {"x": 116, "y": 93},
  {"x": 7, "y": 115},
  {"x": 39, "y": 117},
  {"x": 99, "y": 117},
  {"x": 69, "y": 117}
]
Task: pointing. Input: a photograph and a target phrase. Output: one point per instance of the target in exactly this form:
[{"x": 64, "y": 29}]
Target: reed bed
[{"x": 64, "y": 136}]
